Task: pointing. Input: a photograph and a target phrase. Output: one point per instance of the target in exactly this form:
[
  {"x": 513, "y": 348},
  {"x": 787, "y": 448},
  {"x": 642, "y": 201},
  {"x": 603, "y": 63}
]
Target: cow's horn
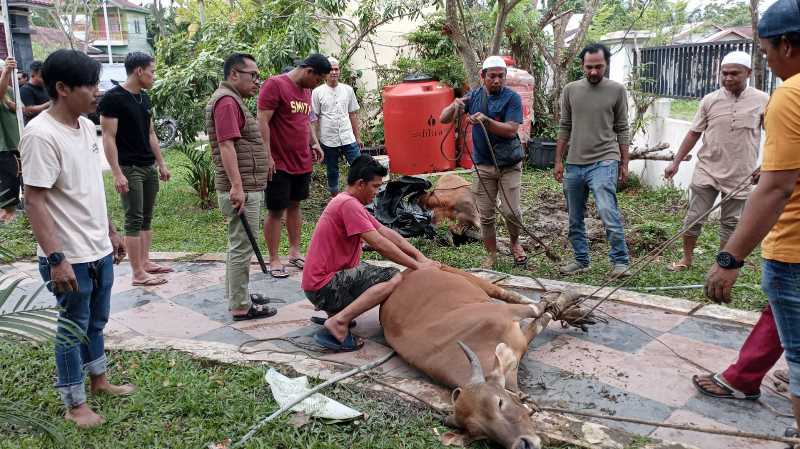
[{"x": 474, "y": 363}]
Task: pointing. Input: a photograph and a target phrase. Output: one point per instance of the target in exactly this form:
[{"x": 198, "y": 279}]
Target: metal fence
[{"x": 690, "y": 70}]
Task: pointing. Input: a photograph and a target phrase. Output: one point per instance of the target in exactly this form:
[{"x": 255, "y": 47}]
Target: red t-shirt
[
  {"x": 336, "y": 243},
  {"x": 289, "y": 127},
  {"x": 228, "y": 119}
]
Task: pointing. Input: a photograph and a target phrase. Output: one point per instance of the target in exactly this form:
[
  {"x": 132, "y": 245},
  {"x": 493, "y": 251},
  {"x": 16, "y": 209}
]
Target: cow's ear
[
  {"x": 455, "y": 394},
  {"x": 504, "y": 362}
]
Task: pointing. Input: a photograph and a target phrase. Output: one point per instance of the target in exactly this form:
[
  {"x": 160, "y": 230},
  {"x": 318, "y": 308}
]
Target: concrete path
[{"x": 614, "y": 369}]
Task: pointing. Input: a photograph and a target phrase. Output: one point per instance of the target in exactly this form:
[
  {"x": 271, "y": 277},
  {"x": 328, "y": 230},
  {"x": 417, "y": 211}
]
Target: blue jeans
[
  {"x": 781, "y": 282},
  {"x": 601, "y": 179},
  {"x": 332, "y": 156},
  {"x": 89, "y": 308}
]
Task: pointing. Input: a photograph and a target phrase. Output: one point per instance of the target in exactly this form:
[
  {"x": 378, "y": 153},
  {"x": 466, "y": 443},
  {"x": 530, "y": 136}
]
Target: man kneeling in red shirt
[{"x": 334, "y": 278}]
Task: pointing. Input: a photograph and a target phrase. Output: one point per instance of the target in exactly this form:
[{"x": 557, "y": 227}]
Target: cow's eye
[{"x": 500, "y": 403}]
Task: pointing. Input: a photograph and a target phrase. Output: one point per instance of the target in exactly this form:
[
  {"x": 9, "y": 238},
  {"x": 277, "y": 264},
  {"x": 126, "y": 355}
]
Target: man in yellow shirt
[{"x": 772, "y": 212}]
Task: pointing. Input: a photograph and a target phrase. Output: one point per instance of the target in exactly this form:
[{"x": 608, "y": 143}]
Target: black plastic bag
[{"x": 396, "y": 207}]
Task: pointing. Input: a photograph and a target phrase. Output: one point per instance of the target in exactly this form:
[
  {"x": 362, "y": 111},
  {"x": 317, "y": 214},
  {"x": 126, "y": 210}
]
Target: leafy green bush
[
  {"x": 199, "y": 172},
  {"x": 190, "y": 63}
]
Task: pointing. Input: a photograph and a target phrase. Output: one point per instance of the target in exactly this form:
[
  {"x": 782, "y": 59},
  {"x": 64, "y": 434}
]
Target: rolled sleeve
[{"x": 41, "y": 164}]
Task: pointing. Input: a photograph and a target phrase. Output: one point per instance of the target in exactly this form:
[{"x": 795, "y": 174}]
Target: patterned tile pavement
[{"x": 615, "y": 368}]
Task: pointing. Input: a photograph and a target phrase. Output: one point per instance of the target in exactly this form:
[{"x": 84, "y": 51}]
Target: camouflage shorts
[{"x": 347, "y": 285}]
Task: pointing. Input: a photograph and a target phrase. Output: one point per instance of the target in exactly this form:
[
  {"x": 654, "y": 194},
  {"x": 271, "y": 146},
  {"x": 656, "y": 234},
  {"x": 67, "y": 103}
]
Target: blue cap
[{"x": 780, "y": 18}]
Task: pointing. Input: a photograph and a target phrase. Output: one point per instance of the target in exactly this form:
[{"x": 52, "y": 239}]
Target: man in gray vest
[{"x": 240, "y": 162}]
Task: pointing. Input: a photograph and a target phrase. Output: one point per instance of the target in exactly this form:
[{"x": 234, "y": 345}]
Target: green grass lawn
[
  {"x": 651, "y": 217},
  {"x": 684, "y": 109},
  {"x": 184, "y": 403}
]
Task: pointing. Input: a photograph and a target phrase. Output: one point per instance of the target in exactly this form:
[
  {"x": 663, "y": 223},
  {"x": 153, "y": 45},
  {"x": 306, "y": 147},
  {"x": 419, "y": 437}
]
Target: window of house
[{"x": 136, "y": 28}]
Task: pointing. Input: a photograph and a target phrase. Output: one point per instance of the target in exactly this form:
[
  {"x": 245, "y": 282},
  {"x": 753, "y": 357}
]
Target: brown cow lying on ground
[
  {"x": 435, "y": 317},
  {"x": 452, "y": 198}
]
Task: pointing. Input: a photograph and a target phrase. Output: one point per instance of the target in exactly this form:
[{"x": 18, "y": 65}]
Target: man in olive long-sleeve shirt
[{"x": 597, "y": 157}]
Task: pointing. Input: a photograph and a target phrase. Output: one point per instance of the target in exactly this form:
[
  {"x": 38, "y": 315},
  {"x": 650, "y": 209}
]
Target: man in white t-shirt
[
  {"x": 336, "y": 107},
  {"x": 77, "y": 244}
]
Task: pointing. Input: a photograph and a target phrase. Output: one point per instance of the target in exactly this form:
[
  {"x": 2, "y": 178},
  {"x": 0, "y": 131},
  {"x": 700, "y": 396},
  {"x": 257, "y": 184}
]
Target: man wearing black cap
[
  {"x": 772, "y": 213},
  {"x": 284, "y": 107}
]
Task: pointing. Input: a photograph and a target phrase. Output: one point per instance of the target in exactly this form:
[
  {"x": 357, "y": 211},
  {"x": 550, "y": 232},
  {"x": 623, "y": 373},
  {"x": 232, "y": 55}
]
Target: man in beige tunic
[{"x": 730, "y": 120}]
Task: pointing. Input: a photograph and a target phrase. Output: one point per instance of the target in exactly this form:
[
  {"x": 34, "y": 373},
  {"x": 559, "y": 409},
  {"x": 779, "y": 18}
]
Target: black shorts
[
  {"x": 286, "y": 188},
  {"x": 347, "y": 285},
  {"x": 9, "y": 179}
]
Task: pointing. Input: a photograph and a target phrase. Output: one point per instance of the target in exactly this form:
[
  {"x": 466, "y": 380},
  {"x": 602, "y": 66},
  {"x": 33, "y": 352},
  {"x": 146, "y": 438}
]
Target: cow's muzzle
[{"x": 528, "y": 442}]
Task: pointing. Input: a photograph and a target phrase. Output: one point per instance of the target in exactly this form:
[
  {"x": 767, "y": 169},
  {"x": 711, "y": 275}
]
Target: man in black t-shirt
[
  {"x": 133, "y": 152},
  {"x": 33, "y": 94}
]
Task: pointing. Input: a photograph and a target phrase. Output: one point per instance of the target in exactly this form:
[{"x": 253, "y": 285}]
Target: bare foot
[
  {"x": 100, "y": 384},
  {"x": 84, "y": 417},
  {"x": 7, "y": 216},
  {"x": 337, "y": 328},
  {"x": 154, "y": 268}
]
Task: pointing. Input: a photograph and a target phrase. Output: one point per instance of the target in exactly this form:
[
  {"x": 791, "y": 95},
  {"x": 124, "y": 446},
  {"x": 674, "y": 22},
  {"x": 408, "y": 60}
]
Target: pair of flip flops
[
  {"x": 281, "y": 273},
  {"x": 730, "y": 392},
  {"x": 150, "y": 282},
  {"x": 324, "y": 338},
  {"x": 160, "y": 270}
]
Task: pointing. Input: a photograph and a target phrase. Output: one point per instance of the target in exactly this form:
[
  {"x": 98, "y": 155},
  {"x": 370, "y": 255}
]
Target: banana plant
[{"x": 20, "y": 320}]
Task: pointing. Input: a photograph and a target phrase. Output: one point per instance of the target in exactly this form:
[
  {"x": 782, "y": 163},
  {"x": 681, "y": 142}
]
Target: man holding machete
[{"x": 240, "y": 165}]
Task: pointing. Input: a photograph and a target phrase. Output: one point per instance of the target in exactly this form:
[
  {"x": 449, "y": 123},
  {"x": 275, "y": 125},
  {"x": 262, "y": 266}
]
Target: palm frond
[{"x": 12, "y": 414}]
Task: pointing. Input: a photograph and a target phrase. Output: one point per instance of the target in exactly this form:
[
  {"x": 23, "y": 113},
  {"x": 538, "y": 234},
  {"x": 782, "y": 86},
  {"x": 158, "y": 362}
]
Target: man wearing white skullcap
[
  {"x": 730, "y": 120},
  {"x": 498, "y": 110}
]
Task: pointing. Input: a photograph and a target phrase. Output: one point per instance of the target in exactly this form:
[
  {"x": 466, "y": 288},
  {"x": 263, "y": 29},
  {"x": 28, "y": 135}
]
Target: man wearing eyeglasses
[{"x": 240, "y": 162}]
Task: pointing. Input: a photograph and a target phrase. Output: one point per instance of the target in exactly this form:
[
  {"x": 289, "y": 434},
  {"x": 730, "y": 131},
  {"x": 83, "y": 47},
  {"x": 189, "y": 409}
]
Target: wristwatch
[
  {"x": 55, "y": 258},
  {"x": 727, "y": 261}
]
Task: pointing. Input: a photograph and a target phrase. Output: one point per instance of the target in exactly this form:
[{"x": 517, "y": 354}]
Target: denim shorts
[
  {"x": 347, "y": 285},
  {"x": 781, "y": 282}
]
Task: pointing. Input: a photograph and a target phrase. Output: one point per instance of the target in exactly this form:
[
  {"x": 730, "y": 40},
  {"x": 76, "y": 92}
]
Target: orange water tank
[
  {"x": 521, "y": 82},
  {"x": 412, "y": 131}
]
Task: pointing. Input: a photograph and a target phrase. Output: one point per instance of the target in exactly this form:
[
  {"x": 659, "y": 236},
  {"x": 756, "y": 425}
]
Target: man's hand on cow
[
  {"x": 558, "y": 171},
  {"x": 428, "y": 264},
  {"x": 719, "y": 283}
]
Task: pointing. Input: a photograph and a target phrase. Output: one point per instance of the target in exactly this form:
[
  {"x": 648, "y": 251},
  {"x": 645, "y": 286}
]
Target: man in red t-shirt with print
[
  {"x": 335, "y": 280},
  {"x": 284, "y": 105}
]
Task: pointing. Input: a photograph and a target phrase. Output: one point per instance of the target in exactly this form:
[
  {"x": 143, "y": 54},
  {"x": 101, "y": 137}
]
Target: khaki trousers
[
  {"x": 486, "y": 189},
  {"x": 240, "y": 252}
]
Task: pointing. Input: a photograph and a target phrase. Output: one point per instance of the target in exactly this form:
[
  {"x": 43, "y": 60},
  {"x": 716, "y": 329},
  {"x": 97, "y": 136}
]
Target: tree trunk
[
  {"x": 503, "y": 10},
  {"x": 468, "y": 55},
  {"x": 159, "y": 13},
  {"x": 758, "y": 57},
  {"x": 559, "y": 66}
]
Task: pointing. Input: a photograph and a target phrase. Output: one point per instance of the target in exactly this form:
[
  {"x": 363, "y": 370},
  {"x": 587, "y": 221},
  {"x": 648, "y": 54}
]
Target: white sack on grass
[{"x": 286, "y": 390}]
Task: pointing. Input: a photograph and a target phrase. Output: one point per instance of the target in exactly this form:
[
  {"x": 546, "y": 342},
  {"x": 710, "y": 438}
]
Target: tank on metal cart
[{"x": 413, "y": 133}]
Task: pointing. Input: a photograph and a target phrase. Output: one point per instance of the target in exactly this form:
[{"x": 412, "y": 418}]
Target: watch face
[{"x": 724, "y": 260}]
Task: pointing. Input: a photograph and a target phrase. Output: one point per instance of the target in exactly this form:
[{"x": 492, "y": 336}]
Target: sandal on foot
[
  {"x": 256, "y": 311},
  {"x": 677, "y": 266},
  {"x": 324, "y": 338},
  {"x": 731, "y": 393},
  {"x": 152, "y": 282},
  {"x": 521, "y": 261},
  {"x": 279, "y": 273},
  {"x": 297, "y": 262},
  {"x": 258, "y": 298},
  {"x": 321, "y": 321},
  {"x": 160, "y": 270}
]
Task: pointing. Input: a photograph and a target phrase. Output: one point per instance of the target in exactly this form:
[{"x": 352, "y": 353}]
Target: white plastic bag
[{"x": 285, "y": 390}]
